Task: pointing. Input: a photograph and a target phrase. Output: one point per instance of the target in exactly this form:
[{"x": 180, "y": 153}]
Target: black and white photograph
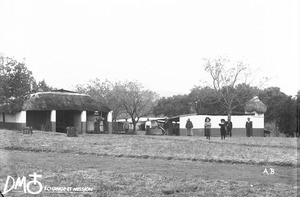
[{"x": 134, "y": 98}]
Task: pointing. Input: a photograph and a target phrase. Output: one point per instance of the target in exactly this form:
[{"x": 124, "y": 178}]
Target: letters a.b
[{"x": 272, "y": 171}]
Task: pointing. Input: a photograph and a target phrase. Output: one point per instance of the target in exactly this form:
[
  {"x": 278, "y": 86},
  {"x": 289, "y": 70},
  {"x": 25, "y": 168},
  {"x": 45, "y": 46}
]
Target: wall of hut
[
  {"x": 14, "y": 121},
  {"x": 238, "y": 122}
]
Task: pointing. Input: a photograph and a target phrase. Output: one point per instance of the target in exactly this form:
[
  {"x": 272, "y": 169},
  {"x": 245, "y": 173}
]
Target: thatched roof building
[
  {"x": 255, "y": 105},
  {"x": 62, "y": 101},
  {"x": 55, "y": 111}
]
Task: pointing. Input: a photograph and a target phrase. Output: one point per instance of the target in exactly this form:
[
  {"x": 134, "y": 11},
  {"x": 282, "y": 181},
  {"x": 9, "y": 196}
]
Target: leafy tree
[
  {"x": 229, "y": 82},
  {"x": 282, "y": 110},
  {"x": 43, "y": 86},
  {"x": 172, "y": 106},
  {"x": 244, "y": 93},
  {"x": 271, "y": 96},
  {"x": 16, "y": 83},
  {"x": 287, "y": 116},
  {"x": 135, "y": 100},
  {"x": 205, "y": 101}
]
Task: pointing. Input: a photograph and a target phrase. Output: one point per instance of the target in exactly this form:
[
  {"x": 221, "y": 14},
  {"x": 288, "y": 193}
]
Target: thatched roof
[
  {"x": 59, "y": 100},
  {"x": 255, "y": 105}
]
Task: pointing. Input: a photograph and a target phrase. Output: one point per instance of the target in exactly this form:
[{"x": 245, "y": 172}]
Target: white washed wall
[
  {"x": 109, "y": 116},
  {"x": 77, "y": 120},
  {"x": 237, "y": 121},
  {"x": 90, "y": 122},
  {"x": 19, "y": 117}
]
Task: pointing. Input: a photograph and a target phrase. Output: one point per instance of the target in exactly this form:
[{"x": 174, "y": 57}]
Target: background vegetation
[{"x": 230, "y": 88}]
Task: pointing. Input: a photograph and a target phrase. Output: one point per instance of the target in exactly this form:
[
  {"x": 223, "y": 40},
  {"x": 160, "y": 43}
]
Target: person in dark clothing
[
  {"x": 126, "y": 126},
  {"x": 207, "y": 127},
  {"x": 96, "y": 122},
  {"x": 189, "y": 126},
  {"x": 249, "y": 128},
  {"x": 229, "y": 127},
  {"x": 166, "y": 127},
  {"x": 223, "y": 129},
  {"x": 171, "y": 127}
]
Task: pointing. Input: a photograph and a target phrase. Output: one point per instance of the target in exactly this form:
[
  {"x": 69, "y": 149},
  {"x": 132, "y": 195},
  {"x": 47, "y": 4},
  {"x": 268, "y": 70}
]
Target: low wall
[
  {"x": 236, "y": 132},
  {"x": 12, "y": 125},
  {"x": 238, "y": 122}
]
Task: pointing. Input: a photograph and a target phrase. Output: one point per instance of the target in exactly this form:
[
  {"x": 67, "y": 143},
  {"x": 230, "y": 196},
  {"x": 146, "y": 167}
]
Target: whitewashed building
[
  {"x": 56, "y": 110},
  {"x": 254, "y": 110}
]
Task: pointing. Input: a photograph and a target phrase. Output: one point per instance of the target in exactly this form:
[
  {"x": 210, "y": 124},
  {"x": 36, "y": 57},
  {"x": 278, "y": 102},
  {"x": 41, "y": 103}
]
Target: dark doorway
[
  {"x": 67, "y": 118},
  {"x": 38, "y": 120}
]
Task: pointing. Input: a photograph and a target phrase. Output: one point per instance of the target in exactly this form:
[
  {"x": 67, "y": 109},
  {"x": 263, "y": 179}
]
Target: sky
[{"x": 160, "y": 43}]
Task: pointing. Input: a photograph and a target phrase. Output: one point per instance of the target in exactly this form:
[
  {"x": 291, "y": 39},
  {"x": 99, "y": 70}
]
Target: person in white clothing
[{"x": 148, "y": 126}]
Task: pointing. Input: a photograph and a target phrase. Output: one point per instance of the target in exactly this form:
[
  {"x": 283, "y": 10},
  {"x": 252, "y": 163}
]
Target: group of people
[{"x": 225, "y": 128}]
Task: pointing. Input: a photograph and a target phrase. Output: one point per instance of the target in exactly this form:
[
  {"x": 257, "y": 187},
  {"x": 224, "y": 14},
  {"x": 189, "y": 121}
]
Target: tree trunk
[
  {"x": 229, "y": 115},
  {"x": 3, "y": 115},
  {"x": 134, "y": 127}
]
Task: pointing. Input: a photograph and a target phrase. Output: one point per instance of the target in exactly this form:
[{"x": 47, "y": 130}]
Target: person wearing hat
[
  {"x": 207, "y": 127},
  {"x": 96, "y": 122},
  {"x": 249, "y": 128}
]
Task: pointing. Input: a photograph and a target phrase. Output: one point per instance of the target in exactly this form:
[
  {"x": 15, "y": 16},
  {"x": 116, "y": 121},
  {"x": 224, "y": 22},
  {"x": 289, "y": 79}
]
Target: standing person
[
  {"x": 148, "y": 126},
  {"x": 126, "y": 126},
  {"x": 207, "y": 127},
  {"x": 166, "y": 127},
  {"x": 189, "y": 126},
  {"x": 229, "y": 127},
  {"x": 249, "y": 128},
  {"x": 96, "y": 122},
  {"x": 171, "y": 128},
  {"x": 223, "y": 129}
]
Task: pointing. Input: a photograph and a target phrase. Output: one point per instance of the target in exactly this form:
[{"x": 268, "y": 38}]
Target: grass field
[{"x": 126, "y": 165}]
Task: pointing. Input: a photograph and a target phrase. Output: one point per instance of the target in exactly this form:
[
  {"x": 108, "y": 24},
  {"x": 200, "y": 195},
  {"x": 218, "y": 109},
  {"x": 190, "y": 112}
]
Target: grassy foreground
[
  {"x": 54, "y": 155},
  {"x": 258, "y": 150}
]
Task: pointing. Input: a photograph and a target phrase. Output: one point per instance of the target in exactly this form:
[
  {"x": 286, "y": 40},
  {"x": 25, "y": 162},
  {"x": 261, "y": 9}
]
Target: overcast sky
[{"x": 159, "y": 43}]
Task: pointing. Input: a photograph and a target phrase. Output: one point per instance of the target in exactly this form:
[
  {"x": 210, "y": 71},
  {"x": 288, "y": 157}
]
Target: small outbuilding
[
  {"x": 255, "y": 106},
  {"x": 254, "y": 109},
  {"x": 56, "y": 110}
]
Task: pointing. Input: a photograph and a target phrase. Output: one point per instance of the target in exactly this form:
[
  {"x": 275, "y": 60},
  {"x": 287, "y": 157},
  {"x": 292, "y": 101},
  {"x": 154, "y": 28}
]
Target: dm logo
[{"x": 22, "y": 182}]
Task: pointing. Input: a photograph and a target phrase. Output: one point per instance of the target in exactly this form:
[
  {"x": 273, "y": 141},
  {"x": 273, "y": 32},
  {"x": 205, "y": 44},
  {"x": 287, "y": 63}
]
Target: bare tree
[
  {"x": 231, "y": 82},
  {"x": 105, "y": 92},
  {"x": 136, "y": 101}
]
